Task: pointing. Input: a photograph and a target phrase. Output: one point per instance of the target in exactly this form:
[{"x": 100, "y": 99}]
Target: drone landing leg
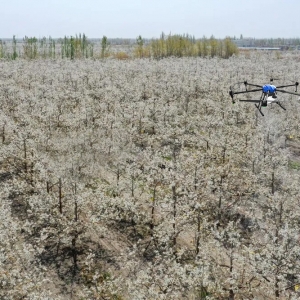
[
  {"x": 260, "y": 103},
  {"x": 281, "y": 105},
  {"x": 257, "y": 106}
]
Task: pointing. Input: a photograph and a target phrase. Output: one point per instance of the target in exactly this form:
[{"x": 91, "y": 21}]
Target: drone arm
[
  {"x": 283, "y": 86},
  {"x": 251, "y": 84},
  {"x": 253, "y": 101},
  {"x": 295, "y": 85},
  {"x": 256, "y": 90},
  {"x": 286, "y": 92},
  {"x": 231, "y": 93},
  {"x": 243, "y": 92}
]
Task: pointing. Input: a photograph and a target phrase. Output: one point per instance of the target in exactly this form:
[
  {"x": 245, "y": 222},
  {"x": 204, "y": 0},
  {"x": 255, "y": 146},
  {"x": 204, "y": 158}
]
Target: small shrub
[{"x": 121, "y": 55}]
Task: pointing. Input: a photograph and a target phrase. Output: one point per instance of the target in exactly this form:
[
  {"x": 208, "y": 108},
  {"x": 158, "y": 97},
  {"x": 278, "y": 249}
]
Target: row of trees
[
  {"x": 48, "y": 48},
  {"x": 185, "y": 45},
  {"x": 80, "y": 47},
  {"x": 266, "y": 42},
  {"x": 140, "y": 180}
]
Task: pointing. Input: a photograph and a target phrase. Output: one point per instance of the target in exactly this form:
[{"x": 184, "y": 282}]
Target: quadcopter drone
[{"x": 268, "y": 95}]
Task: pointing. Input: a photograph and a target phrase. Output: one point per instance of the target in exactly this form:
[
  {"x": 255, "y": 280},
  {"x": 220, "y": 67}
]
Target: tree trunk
[
  {"x": 174, "y": 219},
  {"x": 60, "y": 195}
]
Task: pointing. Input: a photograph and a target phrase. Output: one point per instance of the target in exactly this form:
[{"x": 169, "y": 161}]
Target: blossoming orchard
[{"x": 139, "y": 179}]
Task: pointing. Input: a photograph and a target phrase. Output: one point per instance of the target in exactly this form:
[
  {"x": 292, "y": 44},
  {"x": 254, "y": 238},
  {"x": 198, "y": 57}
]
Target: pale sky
[{"x": 148, "y": 18}]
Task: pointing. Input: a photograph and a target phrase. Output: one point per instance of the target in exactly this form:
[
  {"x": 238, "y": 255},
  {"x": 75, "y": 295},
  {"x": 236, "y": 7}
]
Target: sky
[{"x": 149, "y": 18}]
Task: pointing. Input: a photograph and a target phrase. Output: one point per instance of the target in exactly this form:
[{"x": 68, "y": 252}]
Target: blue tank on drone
[{"x": 269, "y": 88}]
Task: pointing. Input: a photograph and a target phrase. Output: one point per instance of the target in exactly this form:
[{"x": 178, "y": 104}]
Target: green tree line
[
  {"x": 79, "y": 47},
  {"x": 185, "y": 45}
]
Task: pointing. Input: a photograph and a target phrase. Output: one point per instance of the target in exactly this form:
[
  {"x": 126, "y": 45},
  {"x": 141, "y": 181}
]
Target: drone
[{"x": 268, "y": 93}]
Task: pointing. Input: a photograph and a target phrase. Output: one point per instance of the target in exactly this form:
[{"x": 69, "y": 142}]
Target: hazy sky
[{"x": 148, "y": 18}]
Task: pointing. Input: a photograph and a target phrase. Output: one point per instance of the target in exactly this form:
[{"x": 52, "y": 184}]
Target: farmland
[{"x": 139, "y": 179}]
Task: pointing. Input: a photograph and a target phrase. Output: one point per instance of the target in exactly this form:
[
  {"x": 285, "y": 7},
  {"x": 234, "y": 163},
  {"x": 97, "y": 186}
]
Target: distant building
[
  {"x": 267, "y": 44},
  {"x": 260, "y": 48}
]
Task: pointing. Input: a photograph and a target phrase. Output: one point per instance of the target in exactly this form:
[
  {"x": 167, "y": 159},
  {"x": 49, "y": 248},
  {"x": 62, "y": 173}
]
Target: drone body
[{"x": 268, "y": 94}]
